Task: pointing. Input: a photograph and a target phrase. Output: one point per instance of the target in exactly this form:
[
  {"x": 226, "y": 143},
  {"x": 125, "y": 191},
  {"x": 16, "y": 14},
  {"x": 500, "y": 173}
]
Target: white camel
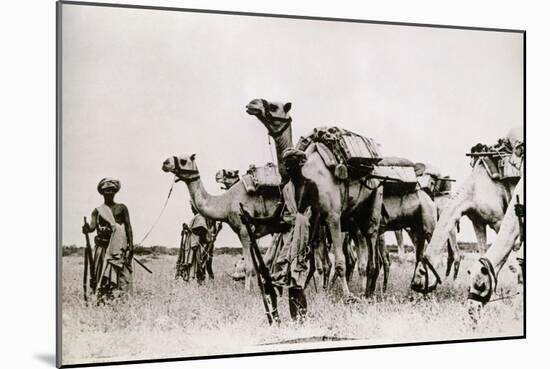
[
  {"x": 483, "y": 200},
  {"x": 225, "y": 207},
  {"x": 485, "y": 271}
]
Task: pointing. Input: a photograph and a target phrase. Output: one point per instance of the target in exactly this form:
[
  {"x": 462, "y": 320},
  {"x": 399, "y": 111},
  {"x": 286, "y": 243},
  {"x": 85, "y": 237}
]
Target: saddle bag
[{"x": 258, "y": 179}]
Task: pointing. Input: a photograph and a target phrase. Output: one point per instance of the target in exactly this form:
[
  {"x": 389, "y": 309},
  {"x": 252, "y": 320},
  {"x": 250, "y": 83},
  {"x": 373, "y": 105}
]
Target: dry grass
[{"x": 168, "y": 318}]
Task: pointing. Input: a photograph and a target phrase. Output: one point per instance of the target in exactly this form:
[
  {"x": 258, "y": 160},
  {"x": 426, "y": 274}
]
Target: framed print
[{"x": 235, "y": 184}]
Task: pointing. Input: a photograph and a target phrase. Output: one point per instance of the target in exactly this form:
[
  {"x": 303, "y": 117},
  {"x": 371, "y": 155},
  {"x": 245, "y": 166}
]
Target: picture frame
[{"x": 92, "y": 110}]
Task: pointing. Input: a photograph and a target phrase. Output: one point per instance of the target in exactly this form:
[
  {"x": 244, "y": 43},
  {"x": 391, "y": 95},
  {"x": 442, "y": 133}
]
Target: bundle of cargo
[
  {"x": 348, "y": 154},
  {"x": 398, "y": 175},
  {"x": 501, "y": 161},
  {"x": 262, "y": 179}
]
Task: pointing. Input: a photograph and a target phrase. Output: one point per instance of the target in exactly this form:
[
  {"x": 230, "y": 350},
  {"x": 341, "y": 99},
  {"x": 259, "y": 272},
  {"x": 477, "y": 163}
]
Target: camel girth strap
[
  {"x": 286, "y": 121},
  {"x": 428, "y": 266}
]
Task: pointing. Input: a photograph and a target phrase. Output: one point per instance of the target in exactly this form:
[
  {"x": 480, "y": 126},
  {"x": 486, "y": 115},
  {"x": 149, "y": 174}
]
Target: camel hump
[{"x": 394, "y": 161}]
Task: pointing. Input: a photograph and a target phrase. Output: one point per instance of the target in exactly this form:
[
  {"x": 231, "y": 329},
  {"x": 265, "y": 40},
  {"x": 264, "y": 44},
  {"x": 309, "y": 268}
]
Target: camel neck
[
  {"x": 213, "y": 207},
  {"x": 460, "y": 203},
  {"x": 508, "y": 233},
  {"x": 282, "y": 142}
]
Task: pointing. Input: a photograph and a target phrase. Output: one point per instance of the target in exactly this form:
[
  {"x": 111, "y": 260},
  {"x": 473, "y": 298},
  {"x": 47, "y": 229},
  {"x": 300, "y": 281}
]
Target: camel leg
[
  {"x": 248, "y": 266},
  {"x": 333, "y": 222},
  {"x": 374, "y": 264},
  {"x": 327, "y": 268},
  {"x": 481, "y": 235},
  {"x": 385, "y": 262},
  {"x": 319, "y": 262},
  {"x": 416, "y": 239},
  {"x": 362, "y": 258},
  {"x": 428, "y": 218},
  {"x": 447, "y": 223},
  {"x": 456, "y": 253},
  {"x": 322, "y": 260},
  {"x": 209, "y": 261},
  {"x": 400, "y": 245},
  {"x": 351, "y": 253},
  {"x": 371, "y": 228}
]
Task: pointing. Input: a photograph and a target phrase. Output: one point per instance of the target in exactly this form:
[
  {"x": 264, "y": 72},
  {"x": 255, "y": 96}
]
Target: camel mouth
[
  {"x": 252, "y": 110},
  {"x": 167, "y": 168},
  {"x": 418, "y": 287}
]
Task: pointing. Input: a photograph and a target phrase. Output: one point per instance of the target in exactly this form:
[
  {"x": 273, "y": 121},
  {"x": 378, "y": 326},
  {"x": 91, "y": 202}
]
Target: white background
[{"x": 27, "y": 80}]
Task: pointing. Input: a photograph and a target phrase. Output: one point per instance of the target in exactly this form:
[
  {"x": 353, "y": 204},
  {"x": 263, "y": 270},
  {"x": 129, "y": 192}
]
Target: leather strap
[
  {"x": 270, "y": 118},
  {"x": 492, "y": 287}
]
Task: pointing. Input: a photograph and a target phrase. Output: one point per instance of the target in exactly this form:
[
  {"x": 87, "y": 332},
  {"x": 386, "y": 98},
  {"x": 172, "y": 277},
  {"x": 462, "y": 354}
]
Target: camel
[
  {"x": 323, "y": 264},
  {"x": 484, "y": 272},
  {"x": 224, "y": 207},
  {"x": 363, "y": 202},
  {"x": 484, "y": 201},
  {"x": 414, "y": 210},
  {"x": 438, "y": 188},
  {"x": 227, "y": 178}
]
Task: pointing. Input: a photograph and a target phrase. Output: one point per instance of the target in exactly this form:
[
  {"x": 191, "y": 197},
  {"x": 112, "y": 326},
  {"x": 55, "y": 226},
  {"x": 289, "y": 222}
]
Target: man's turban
[
  {"x": 108, "y": 184},
  {"x": 293, "y": 156}
]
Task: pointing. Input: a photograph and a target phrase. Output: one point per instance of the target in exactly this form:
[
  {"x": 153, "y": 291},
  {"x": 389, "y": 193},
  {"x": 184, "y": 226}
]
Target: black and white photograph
[{"x": 236, "y": 184}]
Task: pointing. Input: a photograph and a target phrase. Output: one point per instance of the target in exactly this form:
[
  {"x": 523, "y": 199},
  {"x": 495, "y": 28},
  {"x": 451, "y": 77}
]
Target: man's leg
[
  {"x": 125, "y": 281},
  {"x": 297, "y": 303}
]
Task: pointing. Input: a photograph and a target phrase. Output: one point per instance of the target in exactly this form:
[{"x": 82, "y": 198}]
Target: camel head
[
  {"x": 425, "y": 278},
  {"x": 227, "y": 177},
  {"x": 273, "y": 115},
  {"x": 427, "y": 176},
  {"x": 482, "y": 285},
  {"x": 183, "y": 167}
]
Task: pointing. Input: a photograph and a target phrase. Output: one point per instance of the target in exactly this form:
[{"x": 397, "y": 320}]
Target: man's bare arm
[
  {"x": 128, "y": 227},
  {"x": 90, "y": 227}
]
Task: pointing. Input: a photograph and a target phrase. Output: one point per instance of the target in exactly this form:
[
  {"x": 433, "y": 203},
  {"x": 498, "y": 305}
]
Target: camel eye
[
  {"x": 272, "y": 108},
  {"x": 182, "y": 162},
  {"x": 484, "y": 271}
]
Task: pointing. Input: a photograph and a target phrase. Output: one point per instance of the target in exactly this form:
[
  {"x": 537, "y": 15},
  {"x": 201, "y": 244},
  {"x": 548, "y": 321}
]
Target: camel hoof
[{"x": 350, "y": 299}]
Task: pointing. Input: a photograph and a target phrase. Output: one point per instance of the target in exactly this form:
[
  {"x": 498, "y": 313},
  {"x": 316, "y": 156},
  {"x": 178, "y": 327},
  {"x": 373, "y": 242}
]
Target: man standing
[
  {"x": 113, "y": 243},
  {"x": 197, "y": 251},
  {"x": 289, "y": 256}
]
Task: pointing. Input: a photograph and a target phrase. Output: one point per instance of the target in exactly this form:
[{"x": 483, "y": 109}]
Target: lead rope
[
  {"x": 504, "y": 297},
  {"x": 270, "y": 149},
  {"x": 161, "y": 212}
]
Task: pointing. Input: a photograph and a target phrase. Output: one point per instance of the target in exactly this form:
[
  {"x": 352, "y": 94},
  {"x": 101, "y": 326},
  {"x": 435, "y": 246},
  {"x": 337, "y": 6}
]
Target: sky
[{"x": 139, "y": 86}]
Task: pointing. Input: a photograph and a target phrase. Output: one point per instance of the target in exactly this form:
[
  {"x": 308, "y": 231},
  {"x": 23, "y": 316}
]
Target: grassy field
[{"x": 167, "y": 318}]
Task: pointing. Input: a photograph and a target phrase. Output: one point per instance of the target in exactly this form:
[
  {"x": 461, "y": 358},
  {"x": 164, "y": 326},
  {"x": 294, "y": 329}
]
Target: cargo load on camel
[
  {"x": 501, "y": 161},
  {"x": 347, "y": 154},
  {"x": 262, "y": 179},
  {"x": 351, "y": 156},
  {"x": 401, "y": 173}
]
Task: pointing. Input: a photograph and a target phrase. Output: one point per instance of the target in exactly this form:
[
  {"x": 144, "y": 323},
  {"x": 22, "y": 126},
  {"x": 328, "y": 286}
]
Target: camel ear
[
  {"x": 192, "y": 157},
  {"x": 287, "y": 107}
]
